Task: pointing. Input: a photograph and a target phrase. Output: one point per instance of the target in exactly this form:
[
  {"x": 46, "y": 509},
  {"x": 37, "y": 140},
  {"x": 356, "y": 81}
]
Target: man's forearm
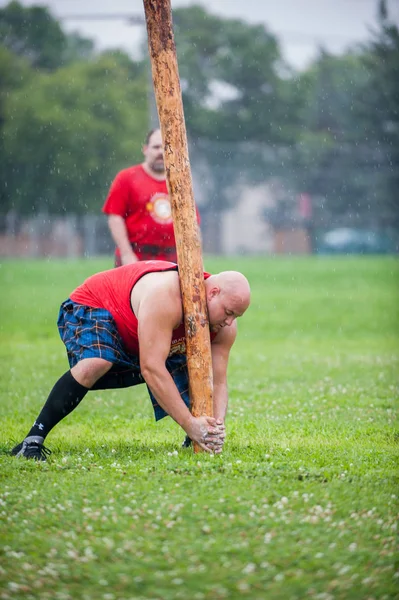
[
  {"x": 119, "y": 234},
  {"x": 167, "y": 395},
  {"x": 220, "y": 401}
]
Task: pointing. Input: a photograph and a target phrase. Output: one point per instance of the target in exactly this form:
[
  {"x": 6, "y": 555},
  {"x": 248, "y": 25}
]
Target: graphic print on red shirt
[
  {"x": 134, "y": 195},
  {"x": 145, "y": 205}
]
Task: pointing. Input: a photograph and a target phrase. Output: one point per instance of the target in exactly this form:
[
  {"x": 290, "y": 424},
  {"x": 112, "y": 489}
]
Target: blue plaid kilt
[{"x": 92, "y": 333}]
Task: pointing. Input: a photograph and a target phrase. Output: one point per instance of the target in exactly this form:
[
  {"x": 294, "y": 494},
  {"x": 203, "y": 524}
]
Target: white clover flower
[
  {"x": 250, "y": 568},
  {"x": 14, "y": 587},
  {"x": 243, "y": 586},
  {"x": 268, "y": 538},
  {"x": 352, "y": 547}
]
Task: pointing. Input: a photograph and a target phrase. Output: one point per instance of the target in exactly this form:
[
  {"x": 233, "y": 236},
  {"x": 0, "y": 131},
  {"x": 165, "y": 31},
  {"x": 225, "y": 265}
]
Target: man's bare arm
[
  {"x": 158, "y": 314},
  {"x": 117, "y": 227},
  {"x": 220, "y": 358}
]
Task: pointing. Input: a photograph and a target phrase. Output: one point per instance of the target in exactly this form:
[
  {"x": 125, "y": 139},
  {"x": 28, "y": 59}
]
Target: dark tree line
[{"x": 71, "y": 117}]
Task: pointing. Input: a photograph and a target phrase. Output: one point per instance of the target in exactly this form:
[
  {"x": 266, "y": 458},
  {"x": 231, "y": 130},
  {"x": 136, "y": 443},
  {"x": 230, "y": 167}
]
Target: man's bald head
[
  {"x": 228, "y": 297},
  {"x": 235, "y": 285}
]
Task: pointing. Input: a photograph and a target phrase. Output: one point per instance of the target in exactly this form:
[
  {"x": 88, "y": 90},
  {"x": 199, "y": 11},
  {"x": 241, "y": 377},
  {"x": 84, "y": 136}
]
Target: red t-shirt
[
  {"x": 144, "y": 204},
  {"x": 112, "y": 290}
]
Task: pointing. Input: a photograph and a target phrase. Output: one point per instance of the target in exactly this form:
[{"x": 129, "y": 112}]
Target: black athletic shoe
[
  {"x": 32, "y": 447},
  {"x": 187, "y": 442}
]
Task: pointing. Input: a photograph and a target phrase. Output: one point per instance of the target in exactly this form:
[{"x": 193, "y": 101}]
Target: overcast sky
[{"x": 300, "y": 25}]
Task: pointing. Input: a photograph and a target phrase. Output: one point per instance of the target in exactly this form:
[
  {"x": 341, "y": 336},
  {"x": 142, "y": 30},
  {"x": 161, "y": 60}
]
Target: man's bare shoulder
[{"x": 158, "y": 292}]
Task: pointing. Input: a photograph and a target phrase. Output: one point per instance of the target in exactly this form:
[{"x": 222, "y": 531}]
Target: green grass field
[{"x": 303, "y": 503}]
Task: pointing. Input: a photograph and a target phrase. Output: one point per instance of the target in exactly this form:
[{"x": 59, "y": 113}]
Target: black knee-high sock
[{"x": 63, "y": 399}]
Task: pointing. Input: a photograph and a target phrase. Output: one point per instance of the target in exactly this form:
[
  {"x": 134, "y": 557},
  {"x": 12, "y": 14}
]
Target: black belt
[{"x": 147, "y": 249}]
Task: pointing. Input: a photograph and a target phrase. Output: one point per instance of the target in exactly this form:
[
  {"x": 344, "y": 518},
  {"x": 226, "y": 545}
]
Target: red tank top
[{"x": 112, "y": 290}]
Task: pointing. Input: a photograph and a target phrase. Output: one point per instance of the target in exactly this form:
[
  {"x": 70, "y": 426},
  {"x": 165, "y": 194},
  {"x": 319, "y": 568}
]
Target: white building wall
[{"x": 244, "y": 228}]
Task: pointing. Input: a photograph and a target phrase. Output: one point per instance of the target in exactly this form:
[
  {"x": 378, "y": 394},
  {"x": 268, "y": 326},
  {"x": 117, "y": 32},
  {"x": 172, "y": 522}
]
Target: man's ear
[{"x": 214, "y": 291}]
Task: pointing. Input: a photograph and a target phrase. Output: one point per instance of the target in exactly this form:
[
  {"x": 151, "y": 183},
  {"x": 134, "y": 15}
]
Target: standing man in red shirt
[{"x": 139, "y": 210}]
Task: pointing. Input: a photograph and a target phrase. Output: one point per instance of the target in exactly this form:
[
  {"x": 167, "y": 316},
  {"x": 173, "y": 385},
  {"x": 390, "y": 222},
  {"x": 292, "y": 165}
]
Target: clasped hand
[{"x": 208, "y": 432}]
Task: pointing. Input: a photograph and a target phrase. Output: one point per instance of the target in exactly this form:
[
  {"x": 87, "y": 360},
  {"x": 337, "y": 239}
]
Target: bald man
[{"x": 125, "y": 326}]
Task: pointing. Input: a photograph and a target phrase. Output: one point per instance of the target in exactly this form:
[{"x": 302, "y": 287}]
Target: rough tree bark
[{"x": 178, "y": 174}]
